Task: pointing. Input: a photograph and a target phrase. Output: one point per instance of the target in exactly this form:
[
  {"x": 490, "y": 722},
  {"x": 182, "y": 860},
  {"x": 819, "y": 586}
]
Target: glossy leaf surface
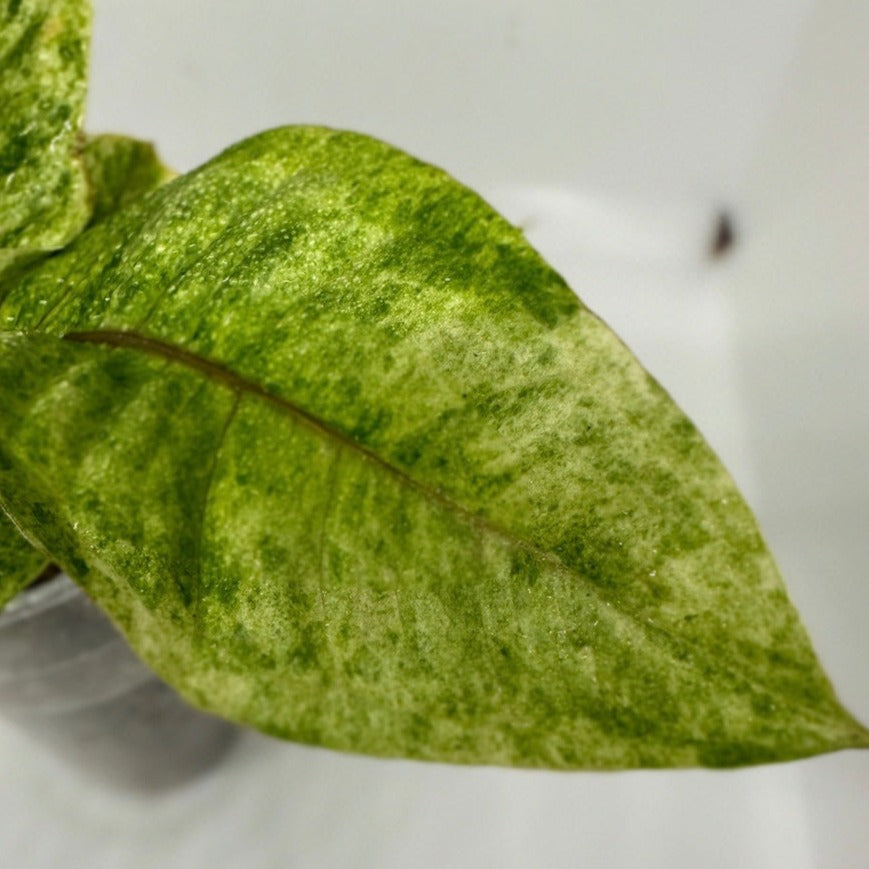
[{"x": 348, "y": 462}]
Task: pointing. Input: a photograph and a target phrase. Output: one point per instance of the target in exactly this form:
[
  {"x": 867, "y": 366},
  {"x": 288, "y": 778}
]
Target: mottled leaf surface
[
  {"x": 347, "y": 461},
  {"x": 44, "y": 197},
  {"x": 20, "y": 563},
  {"x": 118, "y": 170}
]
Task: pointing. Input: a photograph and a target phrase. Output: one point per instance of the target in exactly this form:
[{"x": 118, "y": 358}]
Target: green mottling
[
  {"x": 52, "y": 182},
  {"x": 347, "y": 461},
  {"x": 119, "y": 169},
  {"x": 20, "y": 563},
  {"x": 43, "y": 192},
  {"x": 44, "y": 197}
]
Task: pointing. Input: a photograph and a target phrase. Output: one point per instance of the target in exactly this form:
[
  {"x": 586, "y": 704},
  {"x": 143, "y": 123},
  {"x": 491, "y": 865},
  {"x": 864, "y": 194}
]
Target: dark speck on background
[{"x": 723, "y": 235}]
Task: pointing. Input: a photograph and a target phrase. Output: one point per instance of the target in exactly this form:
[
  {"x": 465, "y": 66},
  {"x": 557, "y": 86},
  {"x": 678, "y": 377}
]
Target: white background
[{"x": 612, "y": 133}]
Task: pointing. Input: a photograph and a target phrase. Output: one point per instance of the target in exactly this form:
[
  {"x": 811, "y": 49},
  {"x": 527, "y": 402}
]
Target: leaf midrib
[{"x": 219, "y": 373}]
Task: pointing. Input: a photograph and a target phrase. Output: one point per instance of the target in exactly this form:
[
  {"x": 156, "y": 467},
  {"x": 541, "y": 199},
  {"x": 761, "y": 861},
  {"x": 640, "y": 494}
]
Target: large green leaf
[
  {"x": 348, "y": 462},
  {"x": 44, "y": 196}
]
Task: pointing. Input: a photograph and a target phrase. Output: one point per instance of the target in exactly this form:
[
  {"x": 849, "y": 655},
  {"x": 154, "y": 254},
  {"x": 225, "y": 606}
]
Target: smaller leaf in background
[
  {"x": 44, "y": 195},
  {"x": 118, "y": 170}
]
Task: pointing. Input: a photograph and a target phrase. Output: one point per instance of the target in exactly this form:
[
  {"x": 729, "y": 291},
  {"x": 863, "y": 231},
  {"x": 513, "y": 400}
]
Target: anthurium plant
[{"x": 346, "y": 461}]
